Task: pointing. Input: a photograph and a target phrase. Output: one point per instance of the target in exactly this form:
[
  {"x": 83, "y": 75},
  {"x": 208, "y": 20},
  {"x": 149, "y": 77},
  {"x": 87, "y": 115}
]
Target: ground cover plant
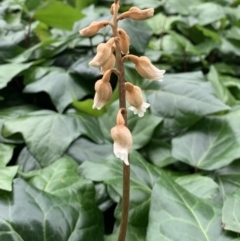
[{"x": 59, "y": 178}]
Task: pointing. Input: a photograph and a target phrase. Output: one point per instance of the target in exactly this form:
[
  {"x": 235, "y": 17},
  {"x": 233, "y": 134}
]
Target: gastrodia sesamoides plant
[{"x": 110, "y": 57}]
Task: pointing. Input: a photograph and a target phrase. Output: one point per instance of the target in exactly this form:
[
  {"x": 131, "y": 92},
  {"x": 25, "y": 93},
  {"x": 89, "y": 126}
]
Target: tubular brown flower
[
  {"x": 122, "y": 138},
  {"x": 109, "y": 65},
  {"x": 103, "y": 91},
  {"x": 124, "y": 41},
  {"x": 135, "y": 99},
  {"x": 137, "y": 13},
  {"x": 145, "y": 68},
  {"x": 104, "y": 51},
  {"x": 93, "y": 28}
]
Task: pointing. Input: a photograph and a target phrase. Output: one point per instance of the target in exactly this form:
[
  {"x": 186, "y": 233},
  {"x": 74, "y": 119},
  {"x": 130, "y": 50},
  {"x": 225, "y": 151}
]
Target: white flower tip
[{"x": 141, "y": 110}]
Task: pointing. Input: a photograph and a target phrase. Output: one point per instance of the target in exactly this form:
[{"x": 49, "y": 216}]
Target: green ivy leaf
[
  {"x": 48, "y": 134},
  {"x": 200, "y": 186},
  {"x": 31, "y": 214},
  {"x": 231, "y": 214},
  {"x": 62, "y": 87},
  {"x": 182, "y": 99},
  {"x": 58, "y": 14},
  {"x": 210, "y": 144},
  {"x": 6, "y": 152},
  {"x": 8, "y": 71},
  {"x": 221, "y": 91},
  {"x": 85, "y": 150},
  {"x": 177, "y": 215},
  {"x": 143, "y": 176}
]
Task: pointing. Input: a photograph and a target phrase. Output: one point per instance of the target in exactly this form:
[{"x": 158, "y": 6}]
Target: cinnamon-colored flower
[
  {"x": 93, "y": 28},
  {"x": 137, "y": 13},
  {"x": 110, "y": 64},
  {"x": 124, "y": 41},
  {"x": 135, "y": 99},
  {"x": 112, "y": 9},
  {"x": 122, "y": 138},
  {"x": 145, "y": 68},
  {"x": 104, "y": 51},
  {"x": 103, "y": 91}
]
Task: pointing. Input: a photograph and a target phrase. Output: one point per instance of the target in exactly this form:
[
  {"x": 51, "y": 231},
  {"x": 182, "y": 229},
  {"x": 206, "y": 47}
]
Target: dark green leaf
[
  {"x": 48, "y": 134},
  {"x": 159, "y": 153},
  {"x": 58, "y": 14},
  {"x": 210, "y": 144},
  {"x": 143, "y": 177},
  {"x": 84, "y": 150},
  {"x": 177, "y": 215},
  {"x": 231, "y": 214},
  {"x": 8, "y": 71},
  {"x": 62, "y": 87},
  {"x": 30, "y": 214},
  {"x": 221, "y": 91},
  {"x": 182, "y": 99},
  {"x": 202, "y": 187}
]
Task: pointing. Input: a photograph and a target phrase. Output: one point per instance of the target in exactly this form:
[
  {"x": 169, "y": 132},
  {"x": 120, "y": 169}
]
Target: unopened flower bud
[
  {"x": 135, "y": 99},
  {"x": 122, "y": 138},
  {"x": 93, "y": 28},
  {"x": 124, "y": 41},
  {"x": 104, "y": 51},
  {"x": 145, "y": 68},
  {"x": 137, "y": 14},
  {"x": 103, "y": 91},
  {"x": 109, "y": 65},
  {"x": 112, "y": 9}
]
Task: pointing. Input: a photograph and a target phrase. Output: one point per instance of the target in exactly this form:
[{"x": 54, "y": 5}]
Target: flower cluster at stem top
[{"x": 105, "y": 60}]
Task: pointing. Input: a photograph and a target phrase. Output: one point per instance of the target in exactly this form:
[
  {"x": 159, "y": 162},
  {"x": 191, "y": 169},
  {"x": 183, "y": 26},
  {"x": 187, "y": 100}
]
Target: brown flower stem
[{"x": 122, "y": 104}]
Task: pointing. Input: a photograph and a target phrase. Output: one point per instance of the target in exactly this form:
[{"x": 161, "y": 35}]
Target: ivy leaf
[
  {"x": 222, "y": 92},
  {"x": 200, "y": 186},
  {"x": 143, "y": 176},
  {"x": 177, "y": 215},
  {"x": 55, "y": 218},
  {"x": 85, "y": 150},
  {"x": 210, "y": 144},
  {"x": 61, "y": 86},
  {"x": 61, "y": 179},
  {"x": 8, "y": 71},
  {"x": 184, "y": 99},
  {"x": 6, "y": 173},
  {"x": 58, "y": 14},
  {"x": 231, "y": 214},
  {"x": 48, "y": 134}
]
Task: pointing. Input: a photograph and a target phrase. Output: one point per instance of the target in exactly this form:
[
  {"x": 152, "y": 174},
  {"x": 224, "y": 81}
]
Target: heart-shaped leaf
[
  {"x": 178, "y": 215},
  {"x": 31, "y": 214}
]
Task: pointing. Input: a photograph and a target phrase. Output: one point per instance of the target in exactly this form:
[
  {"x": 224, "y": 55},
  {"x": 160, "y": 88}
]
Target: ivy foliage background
[{"x": 58, "y": 177}]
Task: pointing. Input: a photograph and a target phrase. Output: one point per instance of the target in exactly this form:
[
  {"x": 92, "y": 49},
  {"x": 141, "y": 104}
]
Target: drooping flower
[
  {"x": 122, "y": 138},
  {"x": 137, "y": 13},
  {"x": 124, "y": 41},
  {"x": 103, "y": 91},
  {"x": 135, "y": 99},
  {"x": 110, "y": 64},
  {"x": 145, "y": 68},
  {"x": 93, "y": 28},
  {"x": 104, "y": 51}
]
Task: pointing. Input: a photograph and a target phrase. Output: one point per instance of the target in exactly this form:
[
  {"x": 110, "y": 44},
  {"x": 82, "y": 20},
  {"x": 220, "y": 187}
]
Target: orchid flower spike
[
  {"x": 122, "y": 138},
  {"x": 93, "y": 28},
  {"x": 145, "y": 68},
  {"x": 137, "y": 14},
  {"x": 135, "y": 99},
  {"x": 124, "y": 41},
  {"x": 103, "y": 91},
  {"x": 104, "y": 51}
]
